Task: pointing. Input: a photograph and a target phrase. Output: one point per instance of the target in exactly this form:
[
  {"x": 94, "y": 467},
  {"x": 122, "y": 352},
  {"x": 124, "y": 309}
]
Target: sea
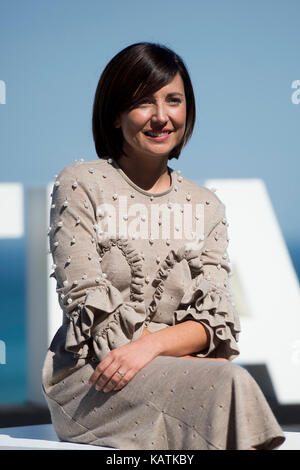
[{"x": 13, "y": 347}]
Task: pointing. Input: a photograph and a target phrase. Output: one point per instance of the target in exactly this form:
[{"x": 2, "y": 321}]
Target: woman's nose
[{"x": 160, "y": 113}]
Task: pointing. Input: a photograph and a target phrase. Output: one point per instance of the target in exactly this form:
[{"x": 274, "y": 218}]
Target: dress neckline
[{"x": 138, "y": 188}]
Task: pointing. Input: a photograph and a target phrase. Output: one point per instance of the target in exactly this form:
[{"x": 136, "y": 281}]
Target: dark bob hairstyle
[{"x": 134, "y": 73}]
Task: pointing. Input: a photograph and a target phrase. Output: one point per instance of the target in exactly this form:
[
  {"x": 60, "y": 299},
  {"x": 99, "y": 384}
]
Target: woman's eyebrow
[
  {"x": 172, "y": 93},
  {"x": 175, "y": 93}
]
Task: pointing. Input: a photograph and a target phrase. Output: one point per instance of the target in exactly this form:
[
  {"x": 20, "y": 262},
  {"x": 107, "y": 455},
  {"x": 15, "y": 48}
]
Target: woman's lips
[{"x": 158, "y": 138}]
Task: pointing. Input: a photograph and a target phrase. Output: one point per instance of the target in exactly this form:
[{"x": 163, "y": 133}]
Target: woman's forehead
[{"x": 174, "y": 85}]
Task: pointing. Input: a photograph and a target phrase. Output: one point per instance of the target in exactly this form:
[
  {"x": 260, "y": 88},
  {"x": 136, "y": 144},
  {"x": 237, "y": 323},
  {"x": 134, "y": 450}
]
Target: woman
[{"x": 142, "y": 275}]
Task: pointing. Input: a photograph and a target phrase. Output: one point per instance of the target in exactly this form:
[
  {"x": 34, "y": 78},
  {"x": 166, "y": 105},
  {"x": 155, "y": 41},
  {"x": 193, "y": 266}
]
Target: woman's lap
[{"x": 172, "y": 402}]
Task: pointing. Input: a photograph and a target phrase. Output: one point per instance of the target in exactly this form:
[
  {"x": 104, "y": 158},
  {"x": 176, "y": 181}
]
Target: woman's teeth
[{"x": 157, "y": 134}]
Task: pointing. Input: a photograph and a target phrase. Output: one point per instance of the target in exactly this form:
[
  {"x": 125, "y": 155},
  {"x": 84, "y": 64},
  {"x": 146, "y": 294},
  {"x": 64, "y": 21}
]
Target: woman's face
[{"x": 157, "y": 124}]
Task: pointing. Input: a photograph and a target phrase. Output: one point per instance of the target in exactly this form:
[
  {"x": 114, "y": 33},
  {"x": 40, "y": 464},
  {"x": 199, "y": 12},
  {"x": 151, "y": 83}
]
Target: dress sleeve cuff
[
  {"x": 213, "y": 308},
  {"x": 105, "y": 319}
]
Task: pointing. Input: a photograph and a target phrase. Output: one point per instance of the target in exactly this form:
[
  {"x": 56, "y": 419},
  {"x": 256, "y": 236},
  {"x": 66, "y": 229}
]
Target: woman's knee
[{"x": 237, "y": 372}]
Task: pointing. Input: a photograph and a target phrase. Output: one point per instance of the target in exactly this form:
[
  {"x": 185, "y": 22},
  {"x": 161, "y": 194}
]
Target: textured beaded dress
[{"x": 125, "y": 259}]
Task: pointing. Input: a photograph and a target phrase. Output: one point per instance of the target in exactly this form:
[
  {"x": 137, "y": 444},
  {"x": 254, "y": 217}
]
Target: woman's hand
[{"x": 121, "y": 364}]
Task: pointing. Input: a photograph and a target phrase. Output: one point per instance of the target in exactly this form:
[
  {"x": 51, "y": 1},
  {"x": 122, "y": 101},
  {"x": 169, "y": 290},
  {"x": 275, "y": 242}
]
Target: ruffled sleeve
[
  {"x": 208, "y": 297},
  {"x": 93, "y": 307}
]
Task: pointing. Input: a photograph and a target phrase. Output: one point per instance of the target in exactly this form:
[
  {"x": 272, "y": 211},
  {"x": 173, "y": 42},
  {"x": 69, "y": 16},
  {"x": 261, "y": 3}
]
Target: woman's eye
[
  {"x": 145, "y": 101},
  {"x": 175, "y": 100}
]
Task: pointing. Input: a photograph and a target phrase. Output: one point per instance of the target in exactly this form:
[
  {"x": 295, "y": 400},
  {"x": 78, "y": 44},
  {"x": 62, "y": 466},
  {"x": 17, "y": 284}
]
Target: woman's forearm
[{"x": 178, "y": 340}]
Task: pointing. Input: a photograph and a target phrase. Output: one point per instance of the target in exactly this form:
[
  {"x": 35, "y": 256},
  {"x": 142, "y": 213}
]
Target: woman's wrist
[
  {"x": 178, "y": 340},
  {"x": 145, "y": 332},
  {"x": 152, "y": 341}
]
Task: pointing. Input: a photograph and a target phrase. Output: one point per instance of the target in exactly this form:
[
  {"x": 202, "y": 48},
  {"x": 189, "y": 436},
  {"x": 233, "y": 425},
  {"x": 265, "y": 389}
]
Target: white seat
[
  {"x": 38, "y": 437},
  {"x": 43, "y": 437},
  {"x": 292, "y": 441}
]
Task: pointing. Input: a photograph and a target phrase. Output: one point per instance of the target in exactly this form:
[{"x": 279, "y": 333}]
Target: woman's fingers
[
  {"x": 124, "y": 380},
  {"x": 111, "y": 379},
  {"x": 106, "y": 377},
  {"x": 101, "y": 370},
  {"x": 114, "y": 380}
]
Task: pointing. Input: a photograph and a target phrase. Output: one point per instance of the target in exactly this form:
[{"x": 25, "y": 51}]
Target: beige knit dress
[{"x": 125, "y": 259}]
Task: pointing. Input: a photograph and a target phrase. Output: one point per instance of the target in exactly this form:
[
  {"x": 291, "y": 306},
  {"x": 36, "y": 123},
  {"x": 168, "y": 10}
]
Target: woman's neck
[{"x": 149, "y": 174}]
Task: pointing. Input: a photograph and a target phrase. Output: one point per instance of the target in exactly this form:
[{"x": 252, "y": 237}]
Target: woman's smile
[{"x": 158, "y": 136}]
